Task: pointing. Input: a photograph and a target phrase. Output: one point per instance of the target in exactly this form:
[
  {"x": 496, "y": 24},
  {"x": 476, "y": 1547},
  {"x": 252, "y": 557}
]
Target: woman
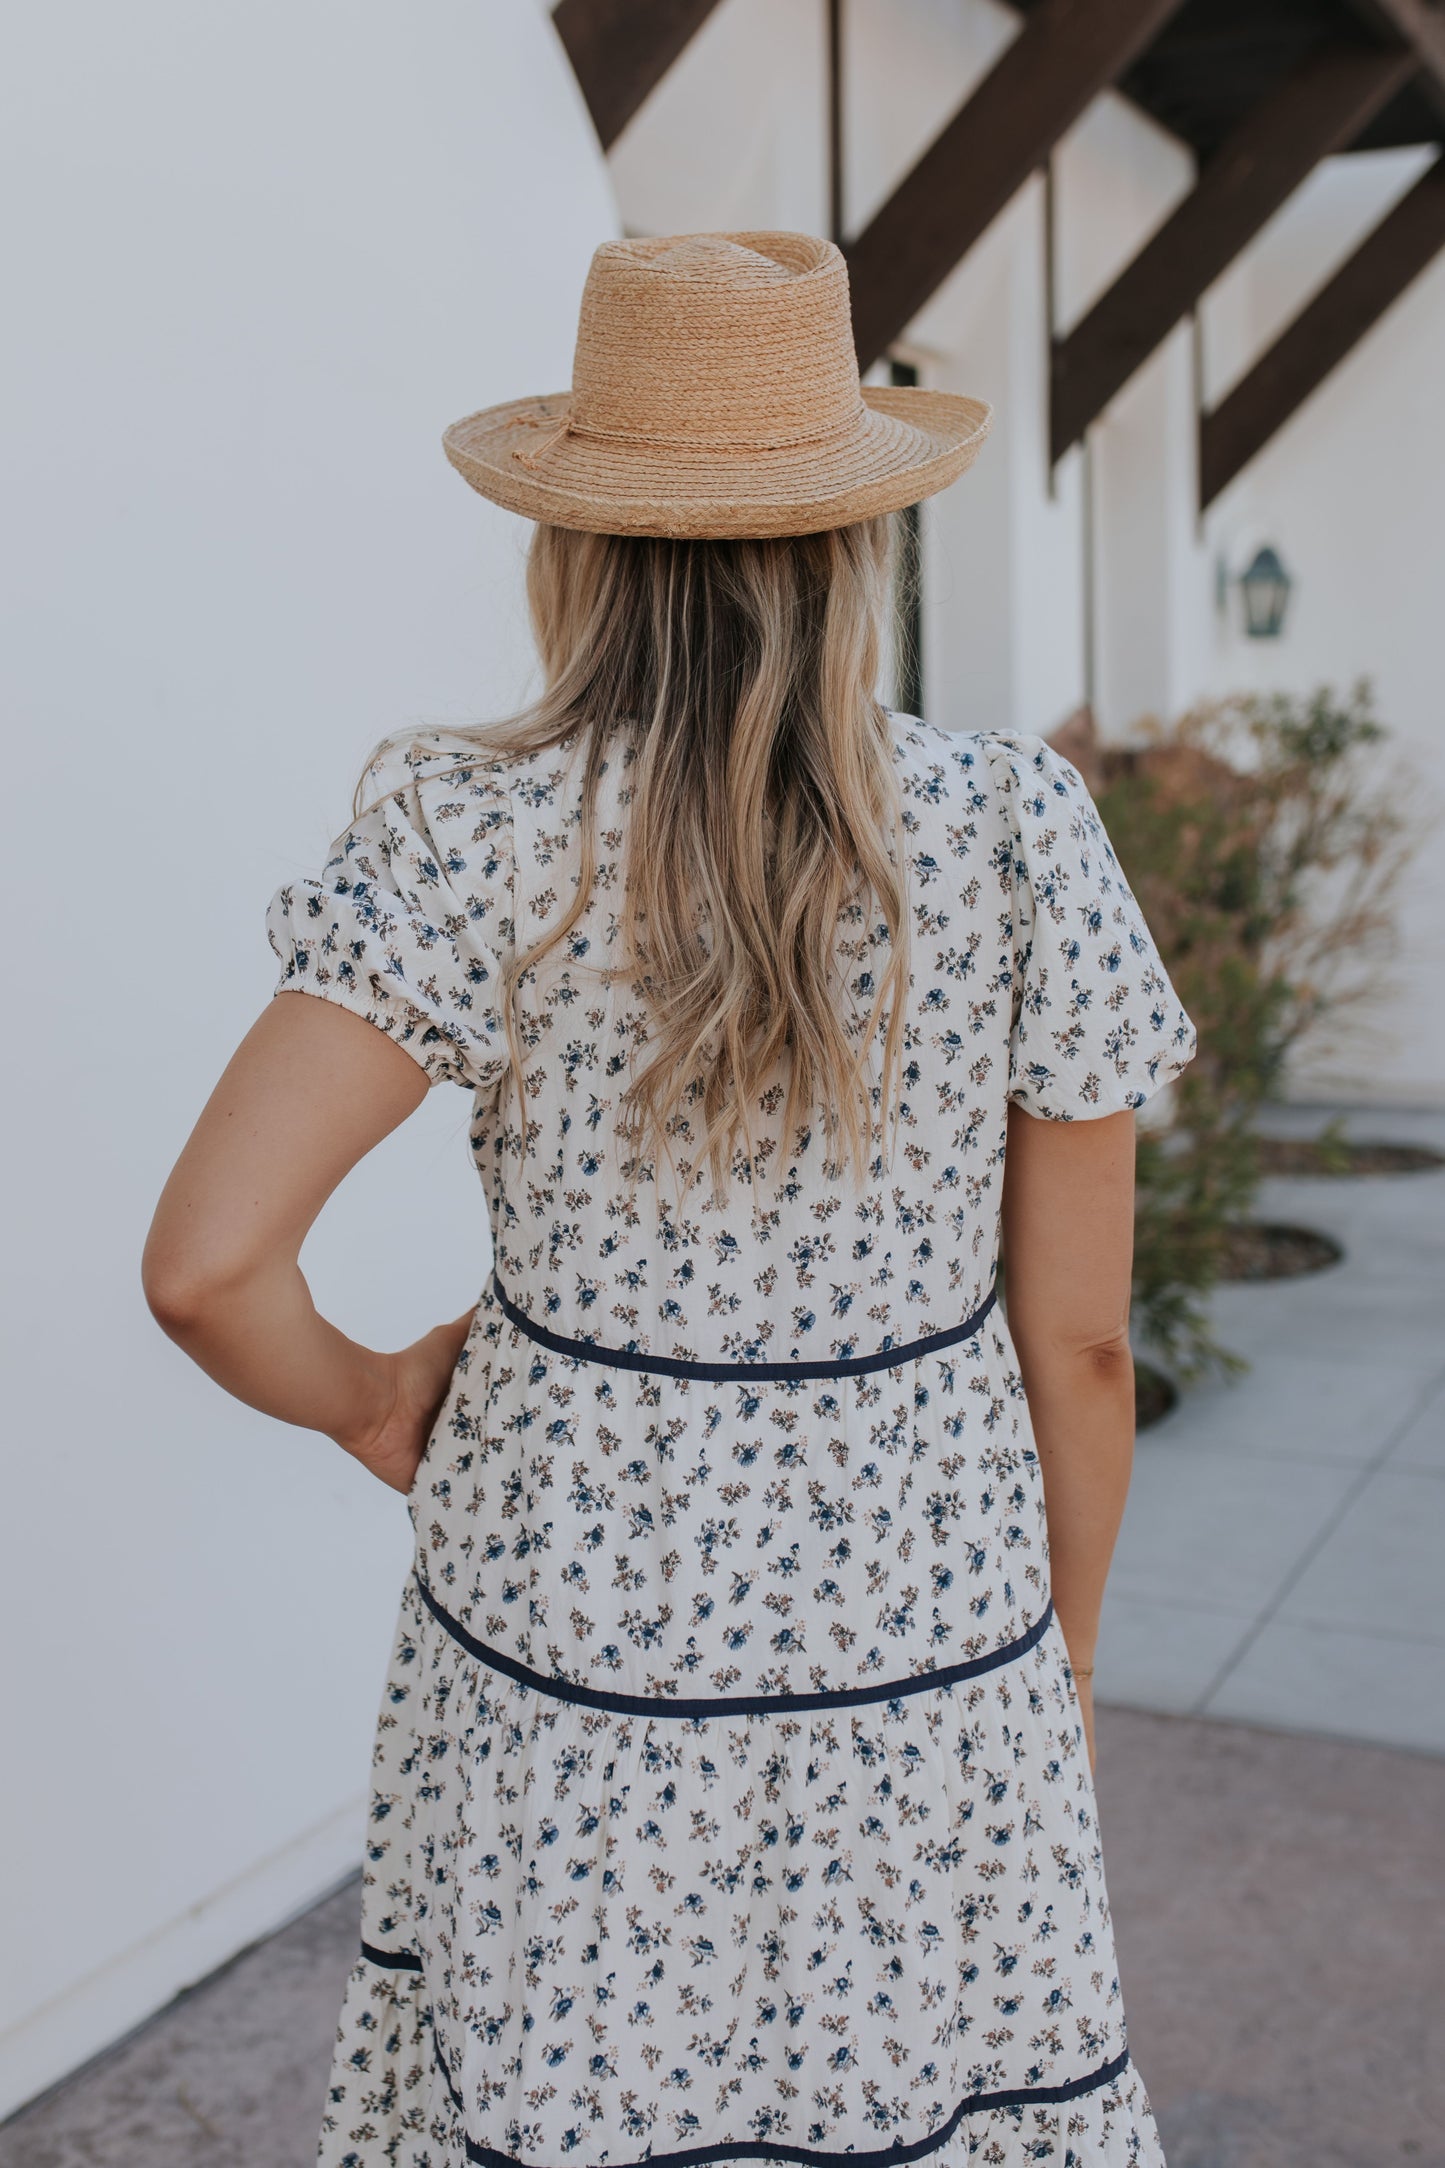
[{"x": 732, "y": 1790}]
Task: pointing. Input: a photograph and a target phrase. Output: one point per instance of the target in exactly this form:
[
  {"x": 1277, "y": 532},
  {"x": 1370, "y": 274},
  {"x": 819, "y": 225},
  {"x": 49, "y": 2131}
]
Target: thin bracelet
[{"x": 1082, "y": 1671}]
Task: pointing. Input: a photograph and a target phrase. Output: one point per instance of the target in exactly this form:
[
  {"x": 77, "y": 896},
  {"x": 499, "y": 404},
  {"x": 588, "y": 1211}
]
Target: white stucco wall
[
  {"x": 727, "y": 143},
  {"x": 1117, "y": 176},
  {"x": 1349, "y": 492},
  {"x": 260, "y": 257}
]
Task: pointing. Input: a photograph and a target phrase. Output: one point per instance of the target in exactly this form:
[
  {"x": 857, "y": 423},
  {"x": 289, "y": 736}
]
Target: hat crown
[{"x": 733, "y": 340}]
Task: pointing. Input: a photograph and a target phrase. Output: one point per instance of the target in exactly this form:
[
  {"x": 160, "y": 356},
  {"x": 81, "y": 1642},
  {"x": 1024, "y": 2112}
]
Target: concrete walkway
[
  {"x": 1276, "y": 1900},
  {"x": 1283, "y": 1555}
]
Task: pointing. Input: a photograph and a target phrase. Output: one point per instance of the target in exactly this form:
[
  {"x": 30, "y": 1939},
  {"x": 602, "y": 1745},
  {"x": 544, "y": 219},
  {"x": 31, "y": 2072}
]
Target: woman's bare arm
[
  {"x": 307, "y": 1094},
  {"x": 1068, "y": 1219}
]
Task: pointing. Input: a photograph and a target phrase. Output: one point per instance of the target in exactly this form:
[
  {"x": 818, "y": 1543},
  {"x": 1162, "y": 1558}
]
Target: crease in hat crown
[{"x": 715, "y": 391}]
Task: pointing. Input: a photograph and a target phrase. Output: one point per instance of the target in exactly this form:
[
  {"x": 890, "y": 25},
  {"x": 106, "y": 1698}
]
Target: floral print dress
[{"x": 730, "y": 1795}]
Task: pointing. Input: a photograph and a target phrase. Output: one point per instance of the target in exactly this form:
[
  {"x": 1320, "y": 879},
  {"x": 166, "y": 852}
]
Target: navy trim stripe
[
  {"x": 392, "y": 1960},
  {"x": 673, "y": 1366},
  {"x": 888, "y": 2156},
  {"x": 595, "y": 1697}
]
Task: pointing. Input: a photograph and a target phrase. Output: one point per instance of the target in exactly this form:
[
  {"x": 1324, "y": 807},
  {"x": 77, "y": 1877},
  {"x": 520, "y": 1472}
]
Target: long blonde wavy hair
[{"x": 764, "y": 817}]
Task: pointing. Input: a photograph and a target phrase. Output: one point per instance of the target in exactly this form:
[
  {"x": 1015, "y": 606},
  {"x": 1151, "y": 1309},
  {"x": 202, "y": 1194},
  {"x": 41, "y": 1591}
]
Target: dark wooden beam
[
  {"x": 1065, "y": 54},
  {"x": 621, "y": 49},
  {"x": 1407, "y": 239},
  {"x": 1320, "y": 108},
  {"x": 834, "y": 64},
  {"x": 1420, "y": 25}
]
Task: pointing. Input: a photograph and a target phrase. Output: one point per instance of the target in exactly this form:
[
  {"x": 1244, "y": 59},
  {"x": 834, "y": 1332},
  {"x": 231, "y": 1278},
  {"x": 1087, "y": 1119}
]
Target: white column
[
  {"x": 1004, "y": 641},
  {"x": 1151, "y": 585}
]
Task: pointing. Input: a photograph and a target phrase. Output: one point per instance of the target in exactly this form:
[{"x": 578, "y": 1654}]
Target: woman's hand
[{"x": 418, "y": 1377}]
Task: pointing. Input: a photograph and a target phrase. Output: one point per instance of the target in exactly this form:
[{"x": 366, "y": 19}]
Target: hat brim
[{"x": 909, "y": 443}]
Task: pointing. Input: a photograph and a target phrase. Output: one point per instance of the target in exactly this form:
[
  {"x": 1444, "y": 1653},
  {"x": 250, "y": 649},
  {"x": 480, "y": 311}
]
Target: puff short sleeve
[
  {"x": 1097, "y": 1027},
  {"x": 409, "y": 922}
]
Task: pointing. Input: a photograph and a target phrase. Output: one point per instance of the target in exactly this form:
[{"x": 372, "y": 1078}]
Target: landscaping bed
[
  {"x": 1342, "y": 1156},
  {"x": 1270, "y": 1250}
]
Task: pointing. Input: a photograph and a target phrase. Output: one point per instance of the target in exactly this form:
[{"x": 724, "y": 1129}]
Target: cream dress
[{"x": 730, "y": 1794}]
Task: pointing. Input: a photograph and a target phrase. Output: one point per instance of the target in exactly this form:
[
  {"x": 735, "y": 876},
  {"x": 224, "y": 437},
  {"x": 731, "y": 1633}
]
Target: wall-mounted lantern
[{"x": 1265, "y": 586}]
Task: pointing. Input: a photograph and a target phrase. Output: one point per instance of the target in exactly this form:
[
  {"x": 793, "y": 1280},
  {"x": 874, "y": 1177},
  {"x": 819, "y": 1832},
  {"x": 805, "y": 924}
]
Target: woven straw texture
[{"x": 715, "y": 393}]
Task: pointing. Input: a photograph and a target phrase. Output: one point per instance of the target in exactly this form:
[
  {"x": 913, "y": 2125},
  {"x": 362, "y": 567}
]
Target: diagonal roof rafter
[
  {"x": 1065, "y": 54},
  {"x": 1421, "y": 27},
  {"x": 1331, "y": 324},
  {"x": 621, "y": 49},
  {"x": 1320, "y": 108}
]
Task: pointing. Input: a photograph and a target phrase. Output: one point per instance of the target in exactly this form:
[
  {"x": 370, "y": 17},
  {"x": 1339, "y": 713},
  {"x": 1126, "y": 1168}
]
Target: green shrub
[{"x": 1264, "y": 841}]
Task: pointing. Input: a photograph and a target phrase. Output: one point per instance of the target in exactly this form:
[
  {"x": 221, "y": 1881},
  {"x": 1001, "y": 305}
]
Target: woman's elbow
[
  {"x": 183, "y": 1289},
  {"x": 1087, "y": 1360},
  {"x": 1109, "y": 1361},
  {"x": 176, "y": 1298}
]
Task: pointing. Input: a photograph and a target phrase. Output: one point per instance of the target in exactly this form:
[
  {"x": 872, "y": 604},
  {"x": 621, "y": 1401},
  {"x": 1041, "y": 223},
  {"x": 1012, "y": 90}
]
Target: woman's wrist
[
  {"x": 1081, "y": 1637},
  {"x": 371, "y": 1406}
]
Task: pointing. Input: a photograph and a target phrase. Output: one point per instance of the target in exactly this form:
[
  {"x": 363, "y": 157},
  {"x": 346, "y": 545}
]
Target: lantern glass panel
[{"x": 1266, "y": 590}]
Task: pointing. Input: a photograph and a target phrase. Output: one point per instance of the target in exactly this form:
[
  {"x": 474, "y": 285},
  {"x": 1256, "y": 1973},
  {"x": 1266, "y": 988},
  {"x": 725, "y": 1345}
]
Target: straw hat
[{"x": 715, "y": 392}]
